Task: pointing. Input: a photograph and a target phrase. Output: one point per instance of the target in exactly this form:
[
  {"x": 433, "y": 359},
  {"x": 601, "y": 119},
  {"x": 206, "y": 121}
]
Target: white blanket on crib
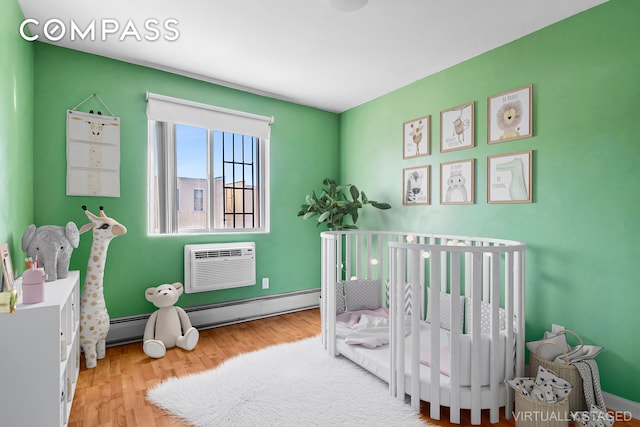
[{"x": 367, "y": 328}]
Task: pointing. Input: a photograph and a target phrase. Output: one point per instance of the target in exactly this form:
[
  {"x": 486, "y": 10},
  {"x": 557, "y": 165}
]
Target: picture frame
[
  {"x": 509, "y": 178},
  {"x": 457, "y": 182},
  {"x": 416, "y": 137},
  {"x": 7, "y": 267},
  {"x": 415, "y": 185},
  {"x": 510, "y": 115},
  {"x": 457, "y": 128}
]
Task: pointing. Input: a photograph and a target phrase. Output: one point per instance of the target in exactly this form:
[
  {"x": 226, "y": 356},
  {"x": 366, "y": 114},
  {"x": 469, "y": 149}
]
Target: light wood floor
[{"x": 113, "y": 393}]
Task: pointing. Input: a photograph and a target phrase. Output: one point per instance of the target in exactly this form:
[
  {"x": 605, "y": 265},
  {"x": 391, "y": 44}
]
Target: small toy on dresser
[
  {"x": 169, "y": 326},
  {"x": 33, "y": 285},
  {"x": 52, "y": 246}
]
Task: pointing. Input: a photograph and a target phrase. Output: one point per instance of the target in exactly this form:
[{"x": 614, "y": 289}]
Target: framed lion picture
[{"x": 510, "y": 115}]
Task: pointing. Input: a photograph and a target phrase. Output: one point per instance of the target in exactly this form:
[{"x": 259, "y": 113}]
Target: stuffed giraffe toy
[{"x": 94, "y": 318}]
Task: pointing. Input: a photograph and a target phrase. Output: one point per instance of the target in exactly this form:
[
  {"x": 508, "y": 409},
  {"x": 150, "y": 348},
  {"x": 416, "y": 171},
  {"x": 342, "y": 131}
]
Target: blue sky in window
[{"x": 191, "y": 145}]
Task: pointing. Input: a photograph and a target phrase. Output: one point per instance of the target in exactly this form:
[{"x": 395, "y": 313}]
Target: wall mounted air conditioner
[{"x": 210, "y": 267}]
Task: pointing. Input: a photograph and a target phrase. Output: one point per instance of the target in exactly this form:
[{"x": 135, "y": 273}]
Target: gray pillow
[
  {"x": 444, "y": 300},
  {"x": 340, "y": 300},
  {"x": 485, "y": 317},
  {"x": 363, "y": 294}
]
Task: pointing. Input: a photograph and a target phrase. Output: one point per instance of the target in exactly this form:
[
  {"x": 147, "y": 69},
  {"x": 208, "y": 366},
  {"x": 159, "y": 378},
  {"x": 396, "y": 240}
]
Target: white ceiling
[{"x": 304, "y": 51}]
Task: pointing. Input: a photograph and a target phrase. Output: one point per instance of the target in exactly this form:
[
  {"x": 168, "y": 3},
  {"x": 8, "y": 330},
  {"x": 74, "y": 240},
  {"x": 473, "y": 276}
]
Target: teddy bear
[{"x": 169, "y": 326}]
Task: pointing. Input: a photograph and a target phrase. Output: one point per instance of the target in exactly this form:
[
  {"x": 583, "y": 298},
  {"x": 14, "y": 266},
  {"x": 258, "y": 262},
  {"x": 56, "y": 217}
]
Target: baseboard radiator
[{"x": 129, "y": 329}]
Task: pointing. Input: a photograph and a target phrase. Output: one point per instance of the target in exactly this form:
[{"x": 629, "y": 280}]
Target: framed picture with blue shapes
[
  {"x": 509, "y": 178},
  {"x": 510, "y": 115},
  {"x": 457, "y": 128},
  {"x": 415, "y": 187},
  {"x": 457, "y": 182},
  {"x": 415, "y": 137}
]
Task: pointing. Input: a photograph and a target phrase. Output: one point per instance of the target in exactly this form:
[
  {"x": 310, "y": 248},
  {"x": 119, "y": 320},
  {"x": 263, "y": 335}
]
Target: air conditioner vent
[
  {"x": 221, "y": 253},
  {"x": 211, "y": 267}
]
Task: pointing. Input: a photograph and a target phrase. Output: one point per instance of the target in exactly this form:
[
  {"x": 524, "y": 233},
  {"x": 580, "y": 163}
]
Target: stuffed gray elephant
[{"x": 52, "y": 245}]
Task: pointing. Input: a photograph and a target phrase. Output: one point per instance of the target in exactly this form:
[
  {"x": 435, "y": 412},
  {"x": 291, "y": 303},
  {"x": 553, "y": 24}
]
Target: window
[
  {"x": 198, "y": 200},
  {"x": 216, "y": 157}
]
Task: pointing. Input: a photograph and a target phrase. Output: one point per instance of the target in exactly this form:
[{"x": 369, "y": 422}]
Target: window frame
[{"x": 262, "y": 178}]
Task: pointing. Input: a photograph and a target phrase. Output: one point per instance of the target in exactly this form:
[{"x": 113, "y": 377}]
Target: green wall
[
  {"x": 303, "y": 150},
  {"x": 579, "y": 228},
  {"x": 583, "y": 222},
  {"x": 16, "y": 132}
]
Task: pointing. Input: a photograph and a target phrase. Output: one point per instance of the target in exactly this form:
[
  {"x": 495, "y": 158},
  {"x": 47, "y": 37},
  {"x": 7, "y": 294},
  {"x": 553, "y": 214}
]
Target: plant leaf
[
  {"x": 380, "y": 205},
  {"x": 324, "y": 216},
  {"x": 310, "y": 215},
  {"x": 355, "y": 194}
]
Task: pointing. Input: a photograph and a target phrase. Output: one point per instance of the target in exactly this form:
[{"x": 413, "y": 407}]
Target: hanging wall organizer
[{"x": 93, "y": 152}]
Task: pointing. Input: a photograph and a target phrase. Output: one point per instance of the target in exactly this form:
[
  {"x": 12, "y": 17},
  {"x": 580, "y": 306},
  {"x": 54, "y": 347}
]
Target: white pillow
[{"x": 549, "y": 348}]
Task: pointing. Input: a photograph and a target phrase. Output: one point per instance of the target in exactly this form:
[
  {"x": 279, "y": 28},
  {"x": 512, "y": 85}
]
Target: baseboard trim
[
  {"x": 620, "y": 404},
  {"x": 130, "y": 329}
]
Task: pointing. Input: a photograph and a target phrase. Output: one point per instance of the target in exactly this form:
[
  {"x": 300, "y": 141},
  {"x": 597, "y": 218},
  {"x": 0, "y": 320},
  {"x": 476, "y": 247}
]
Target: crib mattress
[{"x": 377, "y": 361}]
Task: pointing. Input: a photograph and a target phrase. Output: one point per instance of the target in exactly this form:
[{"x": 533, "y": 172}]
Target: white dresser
[{"x": 38, "y": 371}]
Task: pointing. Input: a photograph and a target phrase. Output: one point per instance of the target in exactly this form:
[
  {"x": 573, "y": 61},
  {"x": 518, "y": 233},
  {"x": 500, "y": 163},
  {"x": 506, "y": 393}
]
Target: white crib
[{"x": 480, "y": 281}]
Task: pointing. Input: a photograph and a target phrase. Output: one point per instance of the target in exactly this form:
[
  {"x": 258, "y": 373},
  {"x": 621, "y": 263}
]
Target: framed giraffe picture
[{"x": 415, "y": 137}]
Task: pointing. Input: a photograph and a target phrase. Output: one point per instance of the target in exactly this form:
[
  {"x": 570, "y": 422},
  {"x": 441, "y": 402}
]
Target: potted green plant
[{"x": 332, "y": 205}]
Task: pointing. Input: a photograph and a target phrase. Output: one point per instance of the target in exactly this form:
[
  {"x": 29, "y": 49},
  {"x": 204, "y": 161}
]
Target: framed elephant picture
[{"x": 7, "y": 268}]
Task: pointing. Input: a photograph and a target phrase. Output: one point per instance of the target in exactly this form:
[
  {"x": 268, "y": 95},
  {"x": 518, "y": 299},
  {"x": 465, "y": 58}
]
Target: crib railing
[{"x": 489, "y": 272}]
